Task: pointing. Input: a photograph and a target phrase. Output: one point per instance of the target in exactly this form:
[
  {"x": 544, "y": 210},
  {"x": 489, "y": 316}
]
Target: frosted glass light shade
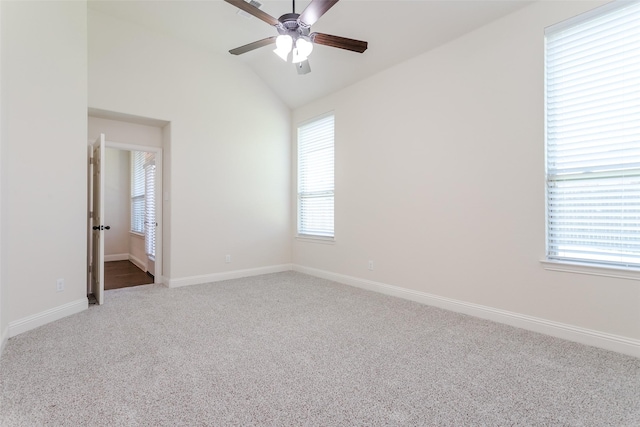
[
  {"x": 284, "y": 43},
  {"x": 302, "y": 50},
  {"x": 305, "y": 47}
]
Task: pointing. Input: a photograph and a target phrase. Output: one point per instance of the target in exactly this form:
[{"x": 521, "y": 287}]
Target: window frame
[
  {"x": 301, "y": 235},
  {"x": 150, "y": 222},
  {"x": 137, "y": 197},
  {"x": 554, "y": 262}
]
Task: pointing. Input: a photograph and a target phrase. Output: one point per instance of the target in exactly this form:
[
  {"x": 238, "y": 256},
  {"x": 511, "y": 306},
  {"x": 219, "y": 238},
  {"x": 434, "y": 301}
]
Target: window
[
  {"x": 150, "y": 204},
  {"x": 593, "y": 137},
  {"x": 137, "y": 191},
  {"x": 315, "y": 177},
  {"x": 143, "y": 204}
]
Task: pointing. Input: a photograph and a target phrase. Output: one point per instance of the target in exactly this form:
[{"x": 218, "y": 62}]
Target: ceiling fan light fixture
[
  {"x": 304, "y": 45},
  {"x": 284, "y": 42},
  {"x": 295, "y": 27},
  {"x": 303, "y": 49},
  {"x": 297, "y": 58}
]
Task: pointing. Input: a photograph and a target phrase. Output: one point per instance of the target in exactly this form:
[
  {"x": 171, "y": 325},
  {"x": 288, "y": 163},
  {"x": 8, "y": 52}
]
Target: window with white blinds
[
  {"x": 137, "y": 191},
  {"x": 150, "y": 201},
  {"x": 316, "y": 177},
  {"x": 593, "y": 137}
]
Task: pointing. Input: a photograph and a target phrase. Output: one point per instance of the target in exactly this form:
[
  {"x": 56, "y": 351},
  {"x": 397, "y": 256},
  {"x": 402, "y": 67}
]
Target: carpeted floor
[{"x": 288, "y": 349}]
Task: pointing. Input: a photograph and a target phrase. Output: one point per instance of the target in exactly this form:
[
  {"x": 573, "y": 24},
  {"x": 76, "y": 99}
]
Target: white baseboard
[
  {"x": 227, "y": 275},
  {"x": 138, "y": 262},
  {"x": 116, "y": 257},
  {"x": 39, "y": 319},
  {"x": 591, "y": 337}
]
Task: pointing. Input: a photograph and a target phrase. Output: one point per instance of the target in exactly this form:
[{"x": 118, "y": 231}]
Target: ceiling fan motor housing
[{"x": 290, "y": 25}]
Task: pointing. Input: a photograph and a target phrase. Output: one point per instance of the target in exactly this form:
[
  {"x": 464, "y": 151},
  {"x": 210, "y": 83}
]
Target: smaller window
[
  {"x": 316, "y": 177},
  {"x": 137, "y": 192},
  {"x": 150, "y": 208}
]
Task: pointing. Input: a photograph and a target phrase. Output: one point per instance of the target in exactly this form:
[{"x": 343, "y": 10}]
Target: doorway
[
  {"x": 130, "y": 205},
  {"x": 131, "y": 228}
]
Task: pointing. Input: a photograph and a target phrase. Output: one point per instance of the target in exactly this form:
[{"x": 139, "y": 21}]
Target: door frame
[
  {"x": 159, "y": 263},
  {"x": 159, "y": 267},
  {"x": 96, "y": 219}
]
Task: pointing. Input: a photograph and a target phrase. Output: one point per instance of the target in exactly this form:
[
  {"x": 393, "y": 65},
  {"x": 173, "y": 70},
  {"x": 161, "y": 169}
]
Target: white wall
[
  {"x": 440, "y": 180},
  {"x": 137, "y": 252},
  {"x": 117, "y": 202},
  {"x": 4, "y": 318},
  {"x": 125, "y": 132},
  {"x": 229, "y": 169},
  {"x": 166, "y": 203},
  {"x": 44, "y": 157}
]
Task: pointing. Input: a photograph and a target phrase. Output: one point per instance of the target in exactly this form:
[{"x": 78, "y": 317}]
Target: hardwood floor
[{"x": 122, "y": 274}]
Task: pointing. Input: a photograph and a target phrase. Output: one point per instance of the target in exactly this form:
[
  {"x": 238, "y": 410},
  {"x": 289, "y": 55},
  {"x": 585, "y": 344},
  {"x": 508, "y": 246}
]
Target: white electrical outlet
[
  {"x": 59, "y": 285},
  {"x": 370, "y": 266},
  {"x": 227, "y": 258}
]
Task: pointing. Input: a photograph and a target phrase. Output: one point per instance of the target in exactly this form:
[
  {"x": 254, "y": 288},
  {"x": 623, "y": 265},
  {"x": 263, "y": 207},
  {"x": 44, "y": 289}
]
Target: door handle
[
  {"x": 107, "y": 227},
  {"x": 101, "y": 227}
]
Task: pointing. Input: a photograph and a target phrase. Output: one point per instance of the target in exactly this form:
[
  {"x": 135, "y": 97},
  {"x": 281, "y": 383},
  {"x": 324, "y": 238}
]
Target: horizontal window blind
[
  {"x": 593, "y": 137},
  {"x": 316, "y": 177},
  {"x": 150, "y": 209},
  {"x": 137, "y": 191}
]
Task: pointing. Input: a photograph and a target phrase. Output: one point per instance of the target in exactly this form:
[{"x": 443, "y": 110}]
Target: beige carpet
[{"x": 288, "y": 349}]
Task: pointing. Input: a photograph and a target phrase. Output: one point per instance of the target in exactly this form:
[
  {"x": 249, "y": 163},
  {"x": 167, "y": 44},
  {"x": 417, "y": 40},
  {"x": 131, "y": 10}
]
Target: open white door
[{"x": 97, "y": 216}]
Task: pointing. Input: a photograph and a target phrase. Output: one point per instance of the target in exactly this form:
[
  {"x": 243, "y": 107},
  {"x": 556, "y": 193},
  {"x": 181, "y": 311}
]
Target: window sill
[
  {"x": 316, "y": 239},
  {"x": 592, "y": 270},
  {"x": 136, "y": 234}
]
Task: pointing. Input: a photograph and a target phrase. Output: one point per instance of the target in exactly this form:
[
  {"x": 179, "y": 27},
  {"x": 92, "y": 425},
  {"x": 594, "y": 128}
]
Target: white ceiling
[{"x": 395, "y": 29}]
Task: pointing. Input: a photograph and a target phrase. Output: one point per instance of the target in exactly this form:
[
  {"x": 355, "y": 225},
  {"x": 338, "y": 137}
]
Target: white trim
[
  {"x": 3, "y": 340},
  {"x": 116, "y": 257},
  {"x": 586, "y": 16},
  {"x": 227, "y": 275},
  {"x": 315, "y": 239},
  {"x": 592, "y": 270},
  {"x": 591, "y": 337},
  {"x": 138, "y": 262},
  {"x": 134, "y": 147},
  {"x": 316, "y": 118},
  {"x": 39, "y": 319}
]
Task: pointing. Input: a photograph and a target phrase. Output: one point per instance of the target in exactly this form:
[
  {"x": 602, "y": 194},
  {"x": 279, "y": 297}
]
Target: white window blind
[
  {"x": 137, "y": 191},
  {"x": 150, "y": 211},
  {"x": 593, "y": 137},
  {"x": 316, "y": 177}
]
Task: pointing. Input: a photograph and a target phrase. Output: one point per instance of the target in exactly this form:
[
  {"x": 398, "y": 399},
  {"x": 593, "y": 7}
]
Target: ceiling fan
[{"x": 295, "y": 34}]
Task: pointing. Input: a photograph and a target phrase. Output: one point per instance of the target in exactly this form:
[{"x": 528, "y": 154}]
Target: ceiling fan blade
[
  {"x": 315, "y": 10},
  {"x": 303, "y": 67},
  {"x": 241, "y": 4},
  {"x": 339, "y": 42},
  {"x": 251, "y": 46}
]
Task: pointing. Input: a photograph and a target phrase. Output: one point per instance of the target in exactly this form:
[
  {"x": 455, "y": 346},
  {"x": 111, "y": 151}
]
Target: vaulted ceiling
[{"x": 396, "y": 30}]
